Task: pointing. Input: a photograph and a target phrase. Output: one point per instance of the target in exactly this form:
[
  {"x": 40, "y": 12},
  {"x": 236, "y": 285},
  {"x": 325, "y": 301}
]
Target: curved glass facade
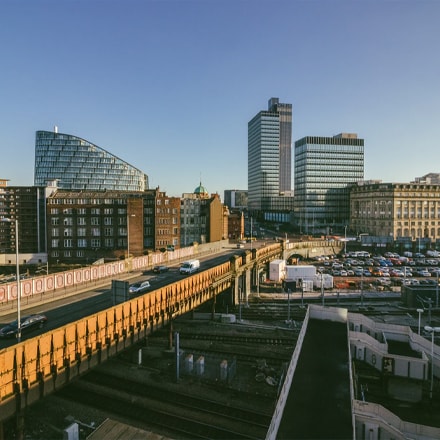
[{"x": 78, "y": 164}]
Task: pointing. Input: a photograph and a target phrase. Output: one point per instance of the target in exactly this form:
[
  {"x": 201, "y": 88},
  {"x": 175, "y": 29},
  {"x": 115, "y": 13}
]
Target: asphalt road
[{"x": 71, "y": 308}]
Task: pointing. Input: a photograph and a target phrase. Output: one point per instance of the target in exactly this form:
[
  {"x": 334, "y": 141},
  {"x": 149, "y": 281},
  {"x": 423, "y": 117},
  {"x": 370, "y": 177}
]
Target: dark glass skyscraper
[
  {"x": 269, "y": 156},
  {"x": 80, "y": 165}
]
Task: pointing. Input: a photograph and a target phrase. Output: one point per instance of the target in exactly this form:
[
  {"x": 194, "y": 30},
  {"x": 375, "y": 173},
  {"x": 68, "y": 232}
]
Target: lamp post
[
  {"x": 17, "y": 267},
  {"x": 436, "y": 293},
  {"x": 432, "y": 330},
  {"x": 419, "y": 311},
  {"x": 345, "y": 239},
  {"x": 362, "y": 289}
]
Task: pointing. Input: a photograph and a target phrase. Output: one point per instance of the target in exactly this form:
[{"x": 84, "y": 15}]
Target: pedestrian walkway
[{"x": 319, "y": 402}]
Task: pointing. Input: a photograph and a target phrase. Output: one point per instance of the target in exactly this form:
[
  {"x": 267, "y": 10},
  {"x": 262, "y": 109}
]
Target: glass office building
[
  {"x": 80, "y": 165},
  {"x": 269, "y": 156},
  {"x": 325, "y": 169}
]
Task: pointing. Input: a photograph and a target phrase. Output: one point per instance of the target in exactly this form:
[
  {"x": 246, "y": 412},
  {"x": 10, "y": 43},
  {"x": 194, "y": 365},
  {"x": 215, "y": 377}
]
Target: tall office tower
[
  {"x": 80, "y": 165},
  {"x": 325, "y": 168},
  {"x": 269, "y": 157}
]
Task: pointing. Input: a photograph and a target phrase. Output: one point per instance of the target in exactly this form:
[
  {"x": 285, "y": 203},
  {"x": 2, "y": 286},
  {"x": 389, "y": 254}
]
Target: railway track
[{"x": 149, "y": 406}]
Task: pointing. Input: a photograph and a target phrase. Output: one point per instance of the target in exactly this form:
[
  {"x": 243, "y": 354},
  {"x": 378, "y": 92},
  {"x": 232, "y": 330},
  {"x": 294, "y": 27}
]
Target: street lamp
[
  {"x": 345, "y": 239},
  {"x": 362, "y": 289},
  {"x": 17, "y": 266},
  {"x": 436, "y": 293},
  {"x": 419, "y": 311},
  {"x": 432, "y": 330},
  {"x": 322, "y": 288}
]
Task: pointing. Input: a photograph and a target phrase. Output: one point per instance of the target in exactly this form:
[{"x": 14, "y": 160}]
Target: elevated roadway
[{"x": 35, "y": 367}]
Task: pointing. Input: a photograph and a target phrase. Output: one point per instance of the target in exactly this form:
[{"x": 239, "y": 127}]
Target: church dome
[{"x": 201, "y": 190}]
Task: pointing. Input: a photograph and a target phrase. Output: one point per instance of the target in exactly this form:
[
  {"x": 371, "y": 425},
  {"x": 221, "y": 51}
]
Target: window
[
  {"x": 96, "y": 243},
  {"x": 82, "y": 243},
  {"x": 55, "y": 221},
  {"x": 55, "y": 232},
  {"x": 68, "y": 243},
  {"x": 67, "y": 232},
  {"x": 81, "y": 221},
  {"x": 108, "y": 221},
  {"x": 95, "y": 220},
  {"x": 81, "y": 232},
  {"x": 108, "y": 242},
  {"x": 55, "y": 243},
  {"x": 96, "y": 232}
]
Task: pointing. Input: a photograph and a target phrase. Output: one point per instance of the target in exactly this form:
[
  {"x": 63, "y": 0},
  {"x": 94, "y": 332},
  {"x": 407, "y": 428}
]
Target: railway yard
[
  {"x": 145, "y": 393},
  {"x": 148, "y": 396}
]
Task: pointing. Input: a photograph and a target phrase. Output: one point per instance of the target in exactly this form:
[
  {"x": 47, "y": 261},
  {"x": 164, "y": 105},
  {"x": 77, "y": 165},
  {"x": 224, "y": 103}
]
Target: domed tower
[{"x": 201, "y": 191}]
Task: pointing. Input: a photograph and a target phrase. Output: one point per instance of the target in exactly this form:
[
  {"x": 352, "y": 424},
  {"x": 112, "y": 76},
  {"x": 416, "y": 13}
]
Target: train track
[{"x": 186, "y": 416}]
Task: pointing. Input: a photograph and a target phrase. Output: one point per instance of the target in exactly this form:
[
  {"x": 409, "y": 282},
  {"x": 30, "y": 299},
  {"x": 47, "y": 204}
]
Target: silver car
[{"x": 140, "y": 287}]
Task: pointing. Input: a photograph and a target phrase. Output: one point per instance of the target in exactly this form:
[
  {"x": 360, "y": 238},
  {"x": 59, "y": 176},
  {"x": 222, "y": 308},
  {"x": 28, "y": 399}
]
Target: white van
[{"x": 189, "y": 267}]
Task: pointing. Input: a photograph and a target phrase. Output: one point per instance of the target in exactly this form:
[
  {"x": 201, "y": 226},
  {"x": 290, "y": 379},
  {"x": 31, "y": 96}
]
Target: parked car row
[{"x": 389, "y": 265}]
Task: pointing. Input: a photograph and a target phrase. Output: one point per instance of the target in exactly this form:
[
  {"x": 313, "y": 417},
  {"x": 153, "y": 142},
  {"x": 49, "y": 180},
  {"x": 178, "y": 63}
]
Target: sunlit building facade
[
  {"x": 26, "y": 204},
  {"x": 77, "y": 164},
  {"x": 325, "y": 169},
  {"x": 396, "y": 210}
]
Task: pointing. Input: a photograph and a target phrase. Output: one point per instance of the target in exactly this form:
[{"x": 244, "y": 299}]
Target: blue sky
[{"x": 169, "y": 86}]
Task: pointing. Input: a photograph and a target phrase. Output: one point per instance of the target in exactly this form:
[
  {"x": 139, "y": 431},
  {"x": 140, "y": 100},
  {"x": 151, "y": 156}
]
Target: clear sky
[{"x": 169, "y": 86}]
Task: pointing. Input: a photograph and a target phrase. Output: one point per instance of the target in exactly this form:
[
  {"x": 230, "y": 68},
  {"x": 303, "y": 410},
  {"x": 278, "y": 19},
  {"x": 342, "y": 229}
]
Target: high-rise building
[
  {"x": 325, "y": 168},
  {"x": 269, "y": 158},
  {"x": 77, "y": 164}
]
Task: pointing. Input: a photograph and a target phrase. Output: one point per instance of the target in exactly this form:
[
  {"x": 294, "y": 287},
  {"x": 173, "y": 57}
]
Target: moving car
[
  {"x": 139, "y": 287},
  {"x": 160, "y": 269},
  {"x": 27, "y": 323}
]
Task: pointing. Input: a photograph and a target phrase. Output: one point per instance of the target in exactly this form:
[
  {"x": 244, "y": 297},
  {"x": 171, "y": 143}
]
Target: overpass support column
[
  {"x": 236, "y": 286},
  {"x": 247, "y": 284}
]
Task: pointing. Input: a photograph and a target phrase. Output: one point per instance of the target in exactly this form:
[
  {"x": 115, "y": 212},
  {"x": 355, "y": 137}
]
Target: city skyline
[{"x": 170, "y": 86}]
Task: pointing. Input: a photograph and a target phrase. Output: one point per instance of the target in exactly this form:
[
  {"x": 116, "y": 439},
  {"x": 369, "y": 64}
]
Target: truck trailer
[{"x": 277, "y": 270}]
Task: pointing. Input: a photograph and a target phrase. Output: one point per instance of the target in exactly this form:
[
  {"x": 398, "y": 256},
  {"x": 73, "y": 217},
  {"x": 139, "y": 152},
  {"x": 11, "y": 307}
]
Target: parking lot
[{"x": 389, "y": 269}]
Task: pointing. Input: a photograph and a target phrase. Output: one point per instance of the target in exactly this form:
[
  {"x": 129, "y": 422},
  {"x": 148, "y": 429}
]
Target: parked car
[
  {"x": 160, "y": 269},
  {"x": 139, "y": 287},
  {"x": 27, "y": 323}
]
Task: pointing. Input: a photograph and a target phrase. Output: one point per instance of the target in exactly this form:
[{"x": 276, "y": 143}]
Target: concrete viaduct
[{"x": 33, "y": 368}]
